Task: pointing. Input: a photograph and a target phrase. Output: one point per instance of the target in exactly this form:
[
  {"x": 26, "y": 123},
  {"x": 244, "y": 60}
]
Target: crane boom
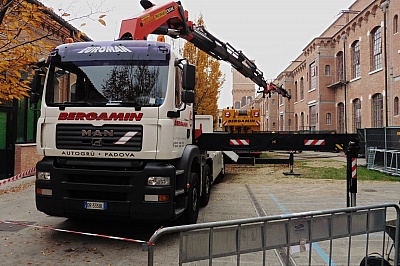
[{"x": 172, "y": 20}]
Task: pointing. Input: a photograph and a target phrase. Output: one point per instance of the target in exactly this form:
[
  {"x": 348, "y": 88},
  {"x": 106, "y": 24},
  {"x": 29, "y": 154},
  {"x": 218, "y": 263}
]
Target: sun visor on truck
[{"x": 117, "y": 50}]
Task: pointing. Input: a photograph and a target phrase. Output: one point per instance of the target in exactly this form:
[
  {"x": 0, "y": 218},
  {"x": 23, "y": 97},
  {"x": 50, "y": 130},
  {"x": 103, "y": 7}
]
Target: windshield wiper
[
  {"x": 137, "y": 106},
  {"x": 62, "y": 106}
]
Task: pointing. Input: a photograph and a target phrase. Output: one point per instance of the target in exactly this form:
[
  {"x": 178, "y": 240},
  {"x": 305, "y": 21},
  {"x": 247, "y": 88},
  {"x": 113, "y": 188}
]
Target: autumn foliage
[
  {"x": 20, "y": 46},
  {"x": 209, "y": 77},
  {"x": 28, "y": 32}
]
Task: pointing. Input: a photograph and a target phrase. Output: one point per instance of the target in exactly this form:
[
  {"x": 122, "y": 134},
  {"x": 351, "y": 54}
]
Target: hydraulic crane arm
[{"x": 172, "y": 20}]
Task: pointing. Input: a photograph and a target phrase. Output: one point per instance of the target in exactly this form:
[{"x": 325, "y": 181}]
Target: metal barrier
[
  {"x": 328, "y": 237},
  {"x": 386, "y": 161}
]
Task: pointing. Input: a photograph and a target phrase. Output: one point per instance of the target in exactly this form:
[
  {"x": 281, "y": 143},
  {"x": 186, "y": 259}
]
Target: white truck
[
  {"x": 116, "y": 132},
  {"x": 116, "y": 129}
]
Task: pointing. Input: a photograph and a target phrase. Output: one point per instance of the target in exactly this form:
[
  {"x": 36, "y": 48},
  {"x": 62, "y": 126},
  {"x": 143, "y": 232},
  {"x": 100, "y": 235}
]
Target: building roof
[{"x": 59, "y": 19}]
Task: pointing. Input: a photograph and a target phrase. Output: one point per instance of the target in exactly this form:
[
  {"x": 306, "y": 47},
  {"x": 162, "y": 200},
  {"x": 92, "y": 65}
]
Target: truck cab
[{"x": 116, "y": 132}]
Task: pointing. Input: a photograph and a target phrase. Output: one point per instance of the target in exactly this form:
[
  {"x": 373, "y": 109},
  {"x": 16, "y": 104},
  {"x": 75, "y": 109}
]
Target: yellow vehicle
[{"x": 241, "y": 121}]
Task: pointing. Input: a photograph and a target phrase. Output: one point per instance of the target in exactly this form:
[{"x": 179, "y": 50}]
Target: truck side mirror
[
  {"x": 189, "y": 77},
  {"x": 188, "y": 96},
  {"x": 36, "y": 86}
]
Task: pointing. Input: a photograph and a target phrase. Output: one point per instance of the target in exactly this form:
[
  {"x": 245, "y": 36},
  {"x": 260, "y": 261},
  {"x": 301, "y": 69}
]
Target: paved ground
[{"x": 275, "y": 195}]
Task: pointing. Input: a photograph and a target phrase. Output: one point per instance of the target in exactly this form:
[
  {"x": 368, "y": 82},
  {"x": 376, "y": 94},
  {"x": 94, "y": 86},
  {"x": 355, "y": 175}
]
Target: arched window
[
  {"x": 302, "y": 88},
  {"x": 302, "y": 121},
  {"x": 328, "y": 119},
  {"x": 356, "y": 114},
  {"x": 313, "y": 76},
  {"x": 296, "y": 122},
  {"x": 313, "y": 117},
  {"x": 377, "y": 110},
  {"x": 355, "y": 63},
  {"x": 395, "y": 24},
  {"x": 327, "y": 70},
  {"x": 376, "y": 48},
  {"x": 339, "y": 62},
  {"x": 340, "y": 109},
  {"x": 396, "y": 106},
  {"x": 249, "y": 99},
  {"x": 243, "y": 102},
  {"x": 237, "y": 105},
  {"x": 295, "y": 91}
]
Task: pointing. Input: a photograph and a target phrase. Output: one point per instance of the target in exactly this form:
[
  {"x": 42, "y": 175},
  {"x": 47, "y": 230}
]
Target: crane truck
[
  {"x": 241, "y": 120},
  {"x": 117, "y": 126}
]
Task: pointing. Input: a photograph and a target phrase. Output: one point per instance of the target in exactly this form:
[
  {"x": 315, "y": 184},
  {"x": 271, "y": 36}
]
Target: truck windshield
[{"x": 106, "y": 83}]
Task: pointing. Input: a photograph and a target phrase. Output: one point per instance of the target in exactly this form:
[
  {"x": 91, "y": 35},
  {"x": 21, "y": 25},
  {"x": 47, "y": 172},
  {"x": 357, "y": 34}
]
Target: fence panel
[{"x": 330, "y": 237}]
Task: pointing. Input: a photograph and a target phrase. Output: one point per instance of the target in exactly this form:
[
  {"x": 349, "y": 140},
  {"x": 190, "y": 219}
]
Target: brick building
[
  {"x": 346, "y": 78},
  {"x": 243, "y": 90},
  {"x": 17, "y": 118}
]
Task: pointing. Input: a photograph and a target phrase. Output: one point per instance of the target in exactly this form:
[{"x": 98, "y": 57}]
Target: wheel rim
[
  {"x": 208, "y": 185},
  {"x": 194, "y": 199}
]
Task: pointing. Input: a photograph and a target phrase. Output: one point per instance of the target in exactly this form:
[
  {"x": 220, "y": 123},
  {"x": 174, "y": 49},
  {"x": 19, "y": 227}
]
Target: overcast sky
[{"x": 273, "y": 33}]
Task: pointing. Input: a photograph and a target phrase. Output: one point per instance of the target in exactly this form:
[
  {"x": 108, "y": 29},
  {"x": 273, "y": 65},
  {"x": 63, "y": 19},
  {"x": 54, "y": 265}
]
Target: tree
[
  {"x": 209, "y": 77},
  {"x": 28, "y": 31}
]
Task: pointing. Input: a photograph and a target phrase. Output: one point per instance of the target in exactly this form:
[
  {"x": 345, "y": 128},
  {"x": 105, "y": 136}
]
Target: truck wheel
[
  {"x": 205, "y": 196},
  {"x": 191, "y": 213}
]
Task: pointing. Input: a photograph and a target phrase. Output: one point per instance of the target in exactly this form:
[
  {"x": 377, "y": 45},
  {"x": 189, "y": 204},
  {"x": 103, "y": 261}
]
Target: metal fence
[
  {"x": 330, "y": 237},
  {"x": 381, "y": 148}
]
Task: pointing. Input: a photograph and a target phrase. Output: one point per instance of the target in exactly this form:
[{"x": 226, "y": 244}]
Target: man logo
[{"x": 97, "y": 133}]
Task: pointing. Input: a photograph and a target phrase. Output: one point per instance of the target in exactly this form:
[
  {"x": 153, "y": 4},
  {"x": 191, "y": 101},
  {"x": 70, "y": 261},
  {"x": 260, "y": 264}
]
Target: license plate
[{"x": 94, "y": 205}]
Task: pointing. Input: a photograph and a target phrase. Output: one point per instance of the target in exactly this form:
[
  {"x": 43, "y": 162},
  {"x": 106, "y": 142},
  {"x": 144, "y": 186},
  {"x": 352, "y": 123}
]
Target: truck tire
[
  {"x": 206, "y": 191},
  {"x": 191, "y": 213}
]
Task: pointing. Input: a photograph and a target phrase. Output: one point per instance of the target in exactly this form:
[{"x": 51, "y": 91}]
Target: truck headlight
[
  {"x": 158, "y": 181},
  {"x": 43, "y": 175}
]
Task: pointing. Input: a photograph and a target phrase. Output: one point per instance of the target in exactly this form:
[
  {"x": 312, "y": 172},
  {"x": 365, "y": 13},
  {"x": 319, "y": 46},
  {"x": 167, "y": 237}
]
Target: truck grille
[{"x": 106, "y": 137}]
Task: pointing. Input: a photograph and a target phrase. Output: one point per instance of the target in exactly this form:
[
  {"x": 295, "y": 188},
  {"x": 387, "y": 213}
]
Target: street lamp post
[{"x": 384, "y": 7}]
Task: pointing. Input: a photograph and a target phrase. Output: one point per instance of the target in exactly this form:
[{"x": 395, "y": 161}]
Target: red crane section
[{"x": 172, "y": 20}]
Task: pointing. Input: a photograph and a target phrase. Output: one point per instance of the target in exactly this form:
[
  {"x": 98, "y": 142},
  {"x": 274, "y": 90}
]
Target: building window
[
  {"x": 328, "y": 119},
  {"x": 313, "y": 117},
  {"x": 396, "y": 106},
  {"x": 302, "y": 88},
  {"x": 243, "y": 102},
  {"x": 341, "y": 118},
  {"x": 249, "y": 99},
  {"x": 26, "y": 122},
  {"x": 356, "y": 114},
  {"x": 395, "y": 24},
  {"x": 302, "y": 121},
  {"x": 313, "y": 76},
  {"x": 377, "y": 110},
  {"x": 295, "y": 91},
  {"x": 296, "y": 122},
  {"x": 376, "y": 48},
  {"x": 339, "y": 60},
  {"x": 237, "y": 105},
  {"x": 327, "y": 70},
  {"x": 356, "y": 67}
]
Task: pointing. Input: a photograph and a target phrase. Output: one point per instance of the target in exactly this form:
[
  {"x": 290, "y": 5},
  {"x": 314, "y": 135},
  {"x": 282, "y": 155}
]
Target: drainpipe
[
  {"x": 319, "y": 89},
  {"x": 384, "y": 7},
  {"x": 344, "y": 39}
]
